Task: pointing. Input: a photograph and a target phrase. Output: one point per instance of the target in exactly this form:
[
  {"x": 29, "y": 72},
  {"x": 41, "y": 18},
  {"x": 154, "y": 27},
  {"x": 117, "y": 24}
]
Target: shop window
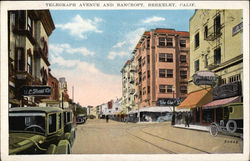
[
  {"x": 208, "y": 116},
  {"x": 182, "y": 43},
  {"x": 162, "y": 41},
  {"x": 183, "y": 58},
  {"x": 52, "y": 123},
  {"x": 196, "y": 40},
  {"x": 183, "y": 89},
  {"x": 169, "y": 42},
  {"x": 217, "y": 56},
  {"x": 183, "y": 74},
  {"x": 196, "y": 65}
]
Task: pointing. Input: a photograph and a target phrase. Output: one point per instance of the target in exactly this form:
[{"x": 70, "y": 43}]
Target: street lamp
[{"x": 173, "y": 116}]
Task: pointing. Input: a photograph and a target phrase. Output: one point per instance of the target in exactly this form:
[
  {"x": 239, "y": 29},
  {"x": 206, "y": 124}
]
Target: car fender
[{"x": 63, "y": 147}]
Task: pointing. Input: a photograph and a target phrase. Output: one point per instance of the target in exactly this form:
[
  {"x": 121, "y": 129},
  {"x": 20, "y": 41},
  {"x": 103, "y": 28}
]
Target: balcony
[{"x": 212, "y": 33}]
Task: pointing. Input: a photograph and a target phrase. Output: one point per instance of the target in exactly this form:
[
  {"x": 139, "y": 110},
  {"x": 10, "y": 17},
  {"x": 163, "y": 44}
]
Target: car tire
[
  {"x": 231, "y": 126},
  {"x": 213, "y": 130}
]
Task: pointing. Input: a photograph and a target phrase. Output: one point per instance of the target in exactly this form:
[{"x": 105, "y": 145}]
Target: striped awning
[{"x": 220, "y": 102}]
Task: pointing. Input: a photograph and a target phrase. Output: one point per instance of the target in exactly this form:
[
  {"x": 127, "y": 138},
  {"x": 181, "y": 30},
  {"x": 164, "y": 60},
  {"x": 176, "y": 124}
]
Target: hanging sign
[
  {"x": 35, "y": 91},
  {"x": 205, "y": 78}
]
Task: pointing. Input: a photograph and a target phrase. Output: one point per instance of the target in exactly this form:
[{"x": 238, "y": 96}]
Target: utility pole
[
  {"x": 62, "y": 100},
  {"x": 73, "y": 93}
]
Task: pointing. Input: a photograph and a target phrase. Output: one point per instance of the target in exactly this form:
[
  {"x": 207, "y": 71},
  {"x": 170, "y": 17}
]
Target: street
[{"x": 99, "y": 137}]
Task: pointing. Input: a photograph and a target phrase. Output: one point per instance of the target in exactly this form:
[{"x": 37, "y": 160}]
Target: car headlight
[{"x": 40, "y": 142}]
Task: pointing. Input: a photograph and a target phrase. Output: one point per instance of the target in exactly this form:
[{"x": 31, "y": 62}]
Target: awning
[
  {"x": 218, "y": 103},
  {"x": 197, "y": 99}
]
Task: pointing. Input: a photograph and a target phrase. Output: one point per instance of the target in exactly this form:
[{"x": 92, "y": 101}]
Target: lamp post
[{"x": 173, "y": 116}]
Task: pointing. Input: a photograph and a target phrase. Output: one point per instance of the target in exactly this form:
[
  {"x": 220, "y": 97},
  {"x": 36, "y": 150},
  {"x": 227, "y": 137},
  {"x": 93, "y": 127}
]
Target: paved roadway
[{"x": 99, "y": 137}]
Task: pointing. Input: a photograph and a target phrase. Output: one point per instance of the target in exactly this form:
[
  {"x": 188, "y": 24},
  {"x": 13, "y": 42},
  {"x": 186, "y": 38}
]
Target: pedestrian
[
  {"x": 107, "y": 118},
  {"x": 186, "y": 120}
]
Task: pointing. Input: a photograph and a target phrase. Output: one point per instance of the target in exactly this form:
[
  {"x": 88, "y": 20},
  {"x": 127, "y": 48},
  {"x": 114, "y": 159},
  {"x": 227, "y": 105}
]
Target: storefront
[
  {"x": 194, "y": 101},
  {"x": 222, "y": 96}
]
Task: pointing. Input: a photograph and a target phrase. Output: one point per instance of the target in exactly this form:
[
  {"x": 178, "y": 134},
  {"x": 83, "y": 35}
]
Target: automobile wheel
[
  {"x": 213, "y": 130},
  {"x": 231, "y": 126}
]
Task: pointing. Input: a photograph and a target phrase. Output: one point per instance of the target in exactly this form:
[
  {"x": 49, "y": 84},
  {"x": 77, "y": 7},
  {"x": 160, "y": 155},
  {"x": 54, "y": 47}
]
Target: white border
[{"x": 13, "y": 5}]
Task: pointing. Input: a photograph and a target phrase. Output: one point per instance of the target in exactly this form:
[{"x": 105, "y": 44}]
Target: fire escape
[{"x": 213, "y": 34}]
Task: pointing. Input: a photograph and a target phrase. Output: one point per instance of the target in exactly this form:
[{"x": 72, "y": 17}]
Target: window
[
  {"x": 169, "y": 88},
  {"x": 13, "y": 18},
  {"x": 52, "y": 123},
  {"x": 29, "y": 24},
  {"x": 217, "y": 56},
  {"x": 223, "y": 81},
  {"x": 217, "y": 25},
  {"x": 183, "y": 43},
  {"x": 183, "y": 74},
  {"x": 144, "y": 90},
  {"x": 169, "y": 42},
  {"x": 162, "y": 41},
  {"x": 143, "y": 61},
  {"x": 169, "y": 73},
  {"x": 205, "y": 32},
  {"x": 148, "y": 43},
  {"x": 206, "y": 61},
  {"x": 60, "y": 121},
  {"x": 165, "y": 57},
  {"x": 196, "y": 40},
  {"x": 144, "y": 76},
  {"x": 29, "y": 62},
  {"x": 234, "y": 78},
  {"x": 196, "y": 65},
  {"x": 20, "y": 63},
  {"x": 183, "y": 89},
  {"x": 148, "y": 59},
  {"x": 162, "y": 73},
  {"x": 148, "y": 73},
  {"x": 163, "y": 88},
  {"x": 148, "y": 89},
  {"x": 183, "y": 58}
]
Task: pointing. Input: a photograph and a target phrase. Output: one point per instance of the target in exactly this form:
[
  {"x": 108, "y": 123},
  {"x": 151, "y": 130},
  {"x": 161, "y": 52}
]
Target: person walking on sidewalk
[
  {"x": 107, "y": 118},
  {"x": 186, "y": 119}
]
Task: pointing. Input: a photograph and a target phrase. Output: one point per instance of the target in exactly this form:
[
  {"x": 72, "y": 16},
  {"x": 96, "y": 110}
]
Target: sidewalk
[{"x": 193, "y": 127}]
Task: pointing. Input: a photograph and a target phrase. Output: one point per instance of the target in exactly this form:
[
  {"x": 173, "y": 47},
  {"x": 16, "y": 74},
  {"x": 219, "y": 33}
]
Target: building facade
[
  {"x": 216, "y": 47},
  {"x": 63, "y": 93},
  {"x": 162, "y": 59},
  {"x": 128, "y": 86},
  {"x": 28, "y": 53}
]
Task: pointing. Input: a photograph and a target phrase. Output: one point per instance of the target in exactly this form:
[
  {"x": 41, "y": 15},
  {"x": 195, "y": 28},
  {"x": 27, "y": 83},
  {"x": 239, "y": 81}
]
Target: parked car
[
  {"x": 232, "y": 122},
  {"x": 40, "y": 130},
  {"x": 81, "y": 118}
]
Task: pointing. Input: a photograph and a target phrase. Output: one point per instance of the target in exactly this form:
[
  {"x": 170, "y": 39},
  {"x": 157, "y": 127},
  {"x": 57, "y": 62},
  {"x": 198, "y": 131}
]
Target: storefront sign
[
  {"x": 168, "y": 101},
  {"x": 237, "y": 28},
  {"x": 204, "y": 78},
  {"x": 35, "y": 91},
  {"x": 227, "y": 90}
]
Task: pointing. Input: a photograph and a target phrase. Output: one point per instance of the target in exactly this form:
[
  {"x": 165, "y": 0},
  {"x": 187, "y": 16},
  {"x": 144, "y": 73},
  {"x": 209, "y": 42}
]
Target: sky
[{"x": 90, "y": 47}]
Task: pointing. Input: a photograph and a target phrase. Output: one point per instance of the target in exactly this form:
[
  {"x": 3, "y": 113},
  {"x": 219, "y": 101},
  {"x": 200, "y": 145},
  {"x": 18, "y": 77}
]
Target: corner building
[
  {"x": 215, "y": 46},
  {"x": 162, "y": 58}
]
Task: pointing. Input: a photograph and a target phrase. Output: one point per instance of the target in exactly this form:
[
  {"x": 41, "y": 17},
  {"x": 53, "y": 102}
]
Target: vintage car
[
  {"x": 81, "y": 118},
  {"x": 232, "y": 122},
  {"x": 40, "y": 130}
]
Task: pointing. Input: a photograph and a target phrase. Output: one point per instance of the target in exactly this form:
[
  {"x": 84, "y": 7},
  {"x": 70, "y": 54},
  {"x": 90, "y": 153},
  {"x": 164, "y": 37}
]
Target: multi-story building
[
  {"x": 215, "y": 46},
  {"x": 162, "y": 58},
  {"x": 63, "y": 93},
  {"x": 28, "y": 32},
  {"x": 128, "y": 86},
  {"x": 53, "y": 99}
]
